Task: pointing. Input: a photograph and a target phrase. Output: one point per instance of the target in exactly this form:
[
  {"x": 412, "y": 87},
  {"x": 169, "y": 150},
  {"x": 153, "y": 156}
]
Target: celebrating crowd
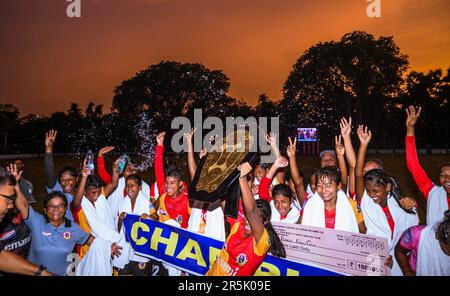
[{"x": 84, "y": 213}]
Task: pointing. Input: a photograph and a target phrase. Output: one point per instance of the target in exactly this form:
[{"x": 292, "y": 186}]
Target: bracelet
[{"x": 40, "y": 270}]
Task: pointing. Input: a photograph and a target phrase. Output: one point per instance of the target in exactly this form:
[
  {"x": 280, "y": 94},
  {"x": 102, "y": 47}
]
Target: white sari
[{"x": 97, "y": 260}]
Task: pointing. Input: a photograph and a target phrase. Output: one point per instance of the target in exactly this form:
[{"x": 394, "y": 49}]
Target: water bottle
[
  {"x": 123, "y": 162},
  {"x": 90, "y": 161}
]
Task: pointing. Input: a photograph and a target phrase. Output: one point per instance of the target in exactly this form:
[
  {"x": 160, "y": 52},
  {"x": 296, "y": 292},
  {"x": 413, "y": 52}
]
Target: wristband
[{"x": 40, "y": 270}]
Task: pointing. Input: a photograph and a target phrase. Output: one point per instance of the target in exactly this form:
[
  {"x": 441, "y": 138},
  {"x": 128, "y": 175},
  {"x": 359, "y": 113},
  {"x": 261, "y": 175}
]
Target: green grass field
[{"x": 394, "y": 164}]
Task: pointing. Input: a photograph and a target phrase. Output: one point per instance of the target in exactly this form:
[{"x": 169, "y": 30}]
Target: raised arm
[
  {"x": 340, "y": 152},
  {"x": 76, "y": 202},
  {"x": 280, "y": 162},
  {"x": 21, "y": 202},
  {"x": 159, "y": 166},
  {"x": 291, "y": 151},
  {"x": 364, "y": 135},
  {"x": 346, "y": 129},
  {"x": 412, "y": 161},
  {"x": 249, "y": 203},
  {"x": 272, "y": 140},
  {"x": 111, "y": 186},
  {"x": 102, "y": 172},
  {"x": 190, "y": 150},
  {"x": 50, "y": 177}
]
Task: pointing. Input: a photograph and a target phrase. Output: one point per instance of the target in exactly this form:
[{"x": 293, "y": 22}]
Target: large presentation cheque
[{"x": 341, "y": 251}]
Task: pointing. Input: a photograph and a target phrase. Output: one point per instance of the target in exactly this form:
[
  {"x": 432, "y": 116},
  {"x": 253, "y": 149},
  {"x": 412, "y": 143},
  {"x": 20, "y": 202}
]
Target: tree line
[{"x": 359, "y": 76}]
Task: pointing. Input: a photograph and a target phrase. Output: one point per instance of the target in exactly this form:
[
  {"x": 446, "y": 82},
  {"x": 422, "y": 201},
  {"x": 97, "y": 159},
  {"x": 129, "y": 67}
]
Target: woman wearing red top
[
  {"x": 438, "y": 197},
  {"x": 173, "y": 202},
  {"x": 385, "y": 214},
  {"x": 250, "y": 238}
]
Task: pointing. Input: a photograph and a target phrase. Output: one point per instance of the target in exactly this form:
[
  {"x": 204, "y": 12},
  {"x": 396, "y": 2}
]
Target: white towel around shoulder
[
  {"x": 436, "y": 205},
  {"x": 314, "y": 213},
  {"x": 292, "y": 217}
]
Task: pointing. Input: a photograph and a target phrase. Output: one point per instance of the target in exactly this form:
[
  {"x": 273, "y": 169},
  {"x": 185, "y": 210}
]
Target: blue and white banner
[{"x": 194, "y": 253}]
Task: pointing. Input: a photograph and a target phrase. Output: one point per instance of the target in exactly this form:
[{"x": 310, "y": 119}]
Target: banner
[{"x": 194, "y": 253}]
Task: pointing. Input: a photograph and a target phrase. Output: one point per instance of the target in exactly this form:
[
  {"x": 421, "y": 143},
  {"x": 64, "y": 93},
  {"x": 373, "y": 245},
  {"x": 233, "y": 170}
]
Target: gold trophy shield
[{"x": 225, "y": 157}]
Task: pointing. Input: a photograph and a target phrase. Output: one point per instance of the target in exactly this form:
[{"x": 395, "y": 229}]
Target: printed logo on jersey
[
  {"x": 46, "y": 233},
  {"x": 67, "y": 235},
  {"x": 241, "y": 259},
  {"x": 180, "y": 219},
  {"x": 7, "y": 235},
  {"x": 142, "y": 265}
]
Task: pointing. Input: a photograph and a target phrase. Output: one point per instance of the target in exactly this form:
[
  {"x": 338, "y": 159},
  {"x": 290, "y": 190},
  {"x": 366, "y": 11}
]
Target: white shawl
[
  {"x": 101, "y": 222},
  {"x": 431, "y": 260},
  {"x": 378, "y": 225},
  {"x": 116, "y": 198},
  {"x": 142, "y": 206},
  {"x": 97, "y": 260},
  {"x": 436, "y": 205},
  {"x": 215, "y": 221},
  {"x": 314, "y": 213},
  {"x": 292, "y": 216}
]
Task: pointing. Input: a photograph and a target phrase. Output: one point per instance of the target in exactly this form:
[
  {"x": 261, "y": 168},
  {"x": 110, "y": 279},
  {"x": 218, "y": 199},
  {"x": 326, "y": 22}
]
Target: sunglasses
[{"x": 11, "y": 197}]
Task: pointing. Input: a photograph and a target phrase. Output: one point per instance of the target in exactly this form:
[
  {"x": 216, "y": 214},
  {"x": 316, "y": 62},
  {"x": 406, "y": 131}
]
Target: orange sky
[{"x": 49, "y": 60}]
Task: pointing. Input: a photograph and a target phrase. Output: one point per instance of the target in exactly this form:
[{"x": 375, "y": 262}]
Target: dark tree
[
  {"x": 356, "y": 76},
  {"x": 432, "y": 92}
]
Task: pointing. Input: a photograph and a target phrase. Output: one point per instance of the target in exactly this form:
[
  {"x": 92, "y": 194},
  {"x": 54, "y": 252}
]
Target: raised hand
[
  {"x": 105, "y": 150},
  {"x": 346, "y": 126},
  {"x": 212, "y": 139},
  {"x": 190, "y": 135},
  {"x": 340, "y": 149},
  {"x": 271, "y": 138},
  {"x": 202, "y": 153},
  {"x": 413, "y": 115},
  {"x": 85, "y": 171},
  {"x": 291, "y": 149},
  {"x": 116, "y": 165},
  {"x": 12, "y": 168},
  {"x": 50, "y": 138},
  {"x": 281, "y": 162},
  {"x": 244, "y": 168},
  {"x": 160, "y": 138},
  {"x": 364, "y": 134}
]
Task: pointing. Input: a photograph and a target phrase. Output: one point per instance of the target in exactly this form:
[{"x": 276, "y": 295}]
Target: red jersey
[
  {"x": 240, "y": 256},
  {"x": 330, "y": 218},
  {"x": 420, "y": 177},
  {"x": 263, "y": 189},
  {"x": 177, "y": 208}
]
